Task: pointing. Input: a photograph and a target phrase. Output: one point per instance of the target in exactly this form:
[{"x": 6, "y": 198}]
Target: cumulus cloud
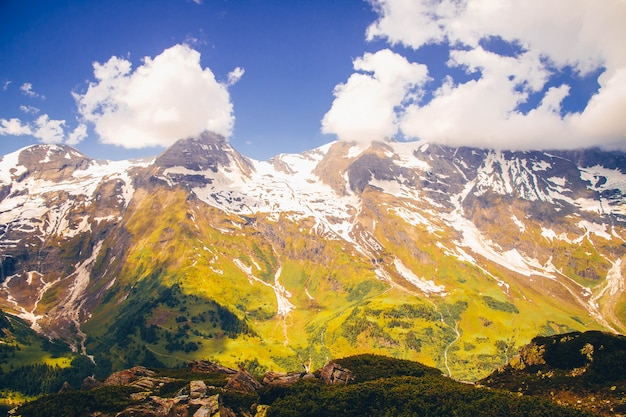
[
  {"x": 364, "y": 107},
  {"x": 167, "y": 98},
  {"x": 49, "y": 131},
  {"x": 77, "y": 135},
  {"x": 14, "y": 127},
  {"x": 492, "y": 106},
  {"x": 43, "y": 128}
]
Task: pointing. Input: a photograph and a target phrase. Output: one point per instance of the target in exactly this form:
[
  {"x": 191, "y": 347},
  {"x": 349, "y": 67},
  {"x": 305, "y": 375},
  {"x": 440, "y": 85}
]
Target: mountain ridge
[{"x": 411, "y": 249}]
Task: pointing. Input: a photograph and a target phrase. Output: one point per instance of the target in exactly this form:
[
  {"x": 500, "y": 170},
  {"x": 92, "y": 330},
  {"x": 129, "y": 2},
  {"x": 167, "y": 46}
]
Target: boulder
[
  {"x": 243, "y": 381},
  {"x": 333, "y": 373},
  {"x": 197, "y": 389},
  {"x": 90, "y": 383},
  {"x": 66, "y": 387},
  {"x": 205, "y": 407}
]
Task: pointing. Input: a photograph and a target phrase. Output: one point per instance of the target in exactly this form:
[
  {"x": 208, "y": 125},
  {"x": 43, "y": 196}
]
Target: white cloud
[
  {"x": 235, "y": 75},
  {"x": 364, "y": 107},
  {"x": 5, "y": 85},
  {"x": 29, "y": 109},
  {"x": 167, "y": 98},
  {"x": 77, "y": 135},
  {"x": 27, "y": 90},
  {"x": 584, "y": 35},
  {"x": 49, "y": 130},
  {"x": 43, "y": 128},
  {"x": 14, "y": 127}
]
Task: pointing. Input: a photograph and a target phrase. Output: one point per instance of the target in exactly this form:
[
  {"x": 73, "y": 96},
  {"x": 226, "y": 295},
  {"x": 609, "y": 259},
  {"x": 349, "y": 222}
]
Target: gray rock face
[
  {"x": 196, "y": 154},
  {"x": 52, "y": 162}
]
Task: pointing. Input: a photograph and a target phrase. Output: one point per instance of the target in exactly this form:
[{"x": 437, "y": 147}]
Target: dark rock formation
[
  {"x": 90, "y": 383},
  {"x": 333, "y": 373},
  {"x": 66, "y": 387},
  {"x": 243, "y": 381}
]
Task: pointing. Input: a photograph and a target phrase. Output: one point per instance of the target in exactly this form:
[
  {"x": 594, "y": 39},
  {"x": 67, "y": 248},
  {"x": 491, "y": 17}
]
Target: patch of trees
[
  {"x": 40, "y": 379},
  {"x": 604, "y": 354},
  {"x": 397, "y": 388},
  {"x": 108, "y": 399},
  {"x": 358, "y": 323},
  {"x": 505, "y": 306}
]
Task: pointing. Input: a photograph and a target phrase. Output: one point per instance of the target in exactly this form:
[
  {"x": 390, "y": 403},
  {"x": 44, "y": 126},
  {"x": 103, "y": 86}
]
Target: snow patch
[
  {"x": 560, "y": 181},
  {"x": 282, "y": 295},
  {"x": 541, "y": 166},
  {"x": 9, "y": 167},
  {"x": 602, "y": 178},
  {"x": 550, "y": 235},
  {"x": 614, "y": 280},
  {"x": 426, "y": 286},
  {"x": 518, "y": 223},
  {"x": 594, "y": 228}
]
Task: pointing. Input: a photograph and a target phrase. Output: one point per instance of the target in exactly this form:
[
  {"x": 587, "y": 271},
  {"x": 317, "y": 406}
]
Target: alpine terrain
[{"x": 454, "y": 257}]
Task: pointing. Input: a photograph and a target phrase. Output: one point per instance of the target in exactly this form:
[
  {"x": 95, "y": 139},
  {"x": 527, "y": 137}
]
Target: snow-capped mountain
[{"x": 450, "y": 256}]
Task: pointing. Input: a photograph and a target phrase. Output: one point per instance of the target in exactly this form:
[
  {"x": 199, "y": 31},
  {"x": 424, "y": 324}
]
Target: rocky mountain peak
[
  {"x": 50, "y": 162},
  {"x": 208, "y": 151}
]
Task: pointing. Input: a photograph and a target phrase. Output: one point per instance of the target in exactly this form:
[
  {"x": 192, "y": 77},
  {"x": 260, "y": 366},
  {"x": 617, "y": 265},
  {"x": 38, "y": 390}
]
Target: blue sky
[{"x": 123, "y": 79}]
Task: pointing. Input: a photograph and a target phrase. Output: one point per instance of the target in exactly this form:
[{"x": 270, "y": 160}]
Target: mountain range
[{"x": 454, "y": 257}]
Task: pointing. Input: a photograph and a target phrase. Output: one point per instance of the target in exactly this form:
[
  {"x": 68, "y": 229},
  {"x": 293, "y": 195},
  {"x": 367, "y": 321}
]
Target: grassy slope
[{"x": 347, "y": 309}]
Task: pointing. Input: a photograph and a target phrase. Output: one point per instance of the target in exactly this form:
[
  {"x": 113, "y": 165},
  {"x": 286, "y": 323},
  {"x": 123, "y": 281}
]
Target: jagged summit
[{"x": 208, "y": 151}]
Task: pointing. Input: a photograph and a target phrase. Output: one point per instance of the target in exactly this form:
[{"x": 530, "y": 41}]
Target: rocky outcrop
[
  {"x": 529, "y": 355},
  {"x": 333, "y": 373},
  {"x": 156, "y": 407},
  {"x": 243, "y": 381},
  {"x": 90, "y": 383},
  {"x": 205, "y": 407},
  {"x": 66, "y": 387},
  {"x": 197, "y": 389},
  {"x": 196, "y": 404},
  {"x": 279, "y": 379},
  {"x": 127, "y": 376},
  {"x": 139, "y": 377},
  {"x": 208, "y": 367},
  {"x": 586, "y": 370}
]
